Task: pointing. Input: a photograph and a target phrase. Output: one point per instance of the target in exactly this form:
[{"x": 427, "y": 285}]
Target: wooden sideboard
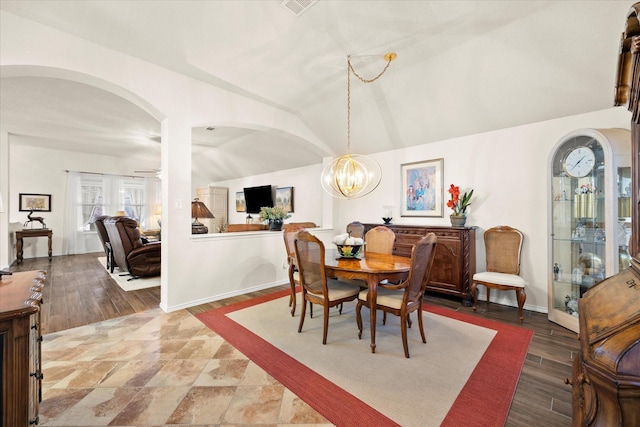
[
  {"x": 20, "y": 348},
  {"x": 455, "y": 261}
]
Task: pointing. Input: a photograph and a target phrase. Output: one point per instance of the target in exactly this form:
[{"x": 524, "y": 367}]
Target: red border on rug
[{"x": 507, "y": 351}]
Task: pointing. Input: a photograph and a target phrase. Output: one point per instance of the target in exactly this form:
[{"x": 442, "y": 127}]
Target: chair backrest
[
  {"x": 310, "y": 259},
  {"x": 124, "y": 236},
  {"x": 290, "y": 234},
  {"x": 380, "y": 239},
  {"x": 102, "y": 231},
  {"x": 503, "y": 247},
  {"x": 299, "y": 225},
  {"x": 422, "y": 255},
  {"x": 355, "y": 229}
]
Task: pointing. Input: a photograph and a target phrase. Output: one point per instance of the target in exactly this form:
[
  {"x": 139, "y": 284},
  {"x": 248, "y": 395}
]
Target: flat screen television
[{"x": 257, "y": 197}]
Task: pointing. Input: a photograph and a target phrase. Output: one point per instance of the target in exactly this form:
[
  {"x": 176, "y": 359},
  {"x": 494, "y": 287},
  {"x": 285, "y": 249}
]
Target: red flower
[{"x": 458, "y": 206}]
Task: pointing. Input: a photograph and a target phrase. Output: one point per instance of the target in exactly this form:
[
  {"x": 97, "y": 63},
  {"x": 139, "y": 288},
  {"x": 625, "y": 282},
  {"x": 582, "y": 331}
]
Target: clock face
[{"x": 579, "y": 162}]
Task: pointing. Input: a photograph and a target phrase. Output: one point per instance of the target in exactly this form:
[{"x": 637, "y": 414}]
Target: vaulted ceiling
[{"x": 463, "y": 67}]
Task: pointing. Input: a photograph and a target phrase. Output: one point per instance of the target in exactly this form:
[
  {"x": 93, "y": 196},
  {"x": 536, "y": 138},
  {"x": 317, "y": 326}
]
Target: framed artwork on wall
[
  {"x": 34, "y": 202},
  {"x": 240, "y": 203},
  {"x": 422, "y": 190},
  {"x": 284, "y": 198}
]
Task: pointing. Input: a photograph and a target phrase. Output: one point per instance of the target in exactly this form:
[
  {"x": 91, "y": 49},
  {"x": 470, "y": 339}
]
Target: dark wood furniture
[
  {"x": 372, "y": 268},
  {"x": 21, "y": 234},
  {"x": 20, "y": 340},
  {"x": 606, "y": 371},
  {"x": 455, "y": 262}
]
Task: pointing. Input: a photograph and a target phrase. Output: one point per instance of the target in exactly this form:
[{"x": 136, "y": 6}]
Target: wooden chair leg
[
  {"x": 488, "y": 295},
  {"x": 359, "y": 318},
  {"x": 521, "y": 296},
  {"x": 304, "y": 309},
  {"x": 326, "y": 324},
  {"x": 424, "y": 339},
  {"x": 405, "y": 344},
  {"x": 474, "y": 292}
]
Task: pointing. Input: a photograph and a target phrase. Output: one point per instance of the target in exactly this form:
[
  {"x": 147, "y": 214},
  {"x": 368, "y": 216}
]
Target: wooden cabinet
[
  {"x": 606, "y": 371},
  {"x": 20, "y": 342},
  {"x": 217, "y": 200},
  {"x": 455, "y": 261}
]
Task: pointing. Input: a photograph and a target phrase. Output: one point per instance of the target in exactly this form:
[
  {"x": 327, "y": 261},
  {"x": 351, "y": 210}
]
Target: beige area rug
[
  {"x": 387, "y": 381},
  {"x": 130, "y": 285}
]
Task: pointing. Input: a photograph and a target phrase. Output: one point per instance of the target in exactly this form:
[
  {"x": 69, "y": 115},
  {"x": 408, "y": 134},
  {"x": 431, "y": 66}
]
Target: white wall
[
  {"x": 307, "y": 193},
  {"x": 506, "y": 168},
  {"x": 42, "y": 171}
]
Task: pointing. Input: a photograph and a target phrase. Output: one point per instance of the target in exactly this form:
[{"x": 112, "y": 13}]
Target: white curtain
[
  {"x": 73, "y": 241},
  {"x": 140, "y": 195}
]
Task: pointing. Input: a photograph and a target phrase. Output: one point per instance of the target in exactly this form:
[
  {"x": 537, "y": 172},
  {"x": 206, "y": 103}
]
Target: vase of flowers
[
  {"x": 459, "y": 205},
  {"x": 275, "y": 216}
]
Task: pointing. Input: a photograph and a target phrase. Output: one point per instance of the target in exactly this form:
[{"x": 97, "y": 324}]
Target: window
[{"x": 108, "y": 194}]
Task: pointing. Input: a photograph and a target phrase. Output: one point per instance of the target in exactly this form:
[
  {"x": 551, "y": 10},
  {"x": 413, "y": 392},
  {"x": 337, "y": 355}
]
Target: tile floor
[{"x": 159, "y": 369}]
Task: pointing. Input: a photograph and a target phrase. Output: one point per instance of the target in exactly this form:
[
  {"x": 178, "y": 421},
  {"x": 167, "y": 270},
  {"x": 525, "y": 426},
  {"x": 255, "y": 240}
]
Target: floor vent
[{"x": 297, "y": 7}]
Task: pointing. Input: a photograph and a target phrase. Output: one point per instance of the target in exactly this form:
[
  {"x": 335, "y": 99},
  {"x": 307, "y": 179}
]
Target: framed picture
[
  {"x": 422, "y": 190},
  {"x": 284, "y": 198},
  {"x": 240, "y": 203},
  {"x": 34, "y": 202}
]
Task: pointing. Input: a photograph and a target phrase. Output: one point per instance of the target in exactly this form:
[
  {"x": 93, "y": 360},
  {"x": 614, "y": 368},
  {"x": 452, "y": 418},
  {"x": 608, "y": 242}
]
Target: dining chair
[
  {"x": 503, "y": 247},
  {"x": 401, "y": 304},
  {"x": 355, "y": 229},
  {"x": 290, "y": 234},
  {"x": 316, "y": 289},
  {"x": 380, "y": 240}
]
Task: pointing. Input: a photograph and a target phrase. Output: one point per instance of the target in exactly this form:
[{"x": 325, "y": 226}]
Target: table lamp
[{"x": 199, "y": 210}]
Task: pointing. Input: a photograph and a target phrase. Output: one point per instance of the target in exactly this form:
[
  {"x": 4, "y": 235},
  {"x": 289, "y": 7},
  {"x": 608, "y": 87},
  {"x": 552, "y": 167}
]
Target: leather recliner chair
[
  {"x": 129, "y": 252},
  {"x": 106, "y": 243}
]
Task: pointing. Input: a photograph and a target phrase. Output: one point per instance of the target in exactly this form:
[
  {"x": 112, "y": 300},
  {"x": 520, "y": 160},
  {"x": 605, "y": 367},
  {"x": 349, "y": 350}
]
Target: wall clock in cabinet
[{"x": 586, "y": 227}]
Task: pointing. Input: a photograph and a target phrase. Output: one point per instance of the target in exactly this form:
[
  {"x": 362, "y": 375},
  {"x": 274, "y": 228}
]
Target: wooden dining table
[{"x": 371, "y": 268}]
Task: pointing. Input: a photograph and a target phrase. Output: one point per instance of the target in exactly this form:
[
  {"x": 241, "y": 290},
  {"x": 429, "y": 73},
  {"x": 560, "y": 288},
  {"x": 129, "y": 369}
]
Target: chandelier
[{"x": 353, "y": 175}]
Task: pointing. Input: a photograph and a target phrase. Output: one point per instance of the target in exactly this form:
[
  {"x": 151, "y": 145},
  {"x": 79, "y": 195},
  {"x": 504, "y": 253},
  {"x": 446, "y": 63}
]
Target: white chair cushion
[
  {"x": 386, "y": 297},
  {"x": 339, "y": 289},
  {"x": 500, "y": 279}
]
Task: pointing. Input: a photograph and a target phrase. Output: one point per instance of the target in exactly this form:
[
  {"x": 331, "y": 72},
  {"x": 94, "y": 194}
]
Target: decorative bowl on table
[{"x": 349, "y": 251}]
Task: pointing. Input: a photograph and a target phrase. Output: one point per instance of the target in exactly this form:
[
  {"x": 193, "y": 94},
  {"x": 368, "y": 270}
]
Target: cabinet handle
[{"x": 38, "y": 375}]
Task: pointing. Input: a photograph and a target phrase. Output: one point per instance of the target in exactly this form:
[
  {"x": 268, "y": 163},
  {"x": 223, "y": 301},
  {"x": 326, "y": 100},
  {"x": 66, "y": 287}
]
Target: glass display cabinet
[{"x": 589, "y": 188}]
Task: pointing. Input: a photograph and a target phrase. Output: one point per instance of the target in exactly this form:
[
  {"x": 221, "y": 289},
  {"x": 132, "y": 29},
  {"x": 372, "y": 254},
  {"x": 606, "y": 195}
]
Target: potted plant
[
  {"x": 459, "y": 205},
  {"x": 275, "y": 216}
]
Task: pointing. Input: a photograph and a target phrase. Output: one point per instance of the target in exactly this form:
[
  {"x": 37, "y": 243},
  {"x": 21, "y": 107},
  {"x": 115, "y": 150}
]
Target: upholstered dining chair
[
  {"x": 316, "y": 289},
  {"x": 355, "y": 229},
  {"x": 380, "y": 240},
  {"x": 290, "y": 233},
  {"x": 503, "y": 247},
  {"x": 402, "y": 304}
]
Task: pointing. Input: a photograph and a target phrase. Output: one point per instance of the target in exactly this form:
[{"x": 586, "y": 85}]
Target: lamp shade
[
  {"x": 120, "y": 213},
  {"x": 200, "y": 210}
]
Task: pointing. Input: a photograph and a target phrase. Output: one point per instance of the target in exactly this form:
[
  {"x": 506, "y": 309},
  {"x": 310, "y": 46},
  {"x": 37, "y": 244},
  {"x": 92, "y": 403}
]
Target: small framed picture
[
  {"x": 284, "y": 198},
  {"x": 422, "y": 190},
  {"x": 34, "y": 202},
  {"x": 240, "y": 203}
]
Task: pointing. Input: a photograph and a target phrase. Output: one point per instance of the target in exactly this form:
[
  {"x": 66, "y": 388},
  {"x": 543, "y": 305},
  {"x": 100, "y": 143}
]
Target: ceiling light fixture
[{"x": 353, "y": 175}]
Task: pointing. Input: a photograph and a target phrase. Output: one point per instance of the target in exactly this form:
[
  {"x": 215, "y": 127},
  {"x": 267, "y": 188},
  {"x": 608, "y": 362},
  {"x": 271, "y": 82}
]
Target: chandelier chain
[{"x": 350, "y": 69}]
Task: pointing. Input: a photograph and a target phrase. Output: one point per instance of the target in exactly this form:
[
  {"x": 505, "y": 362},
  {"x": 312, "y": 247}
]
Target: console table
[
  {"x": 455, "y": 261},
  {"x": 20, "y": 341},
  {"x": 21, "y": 234}
]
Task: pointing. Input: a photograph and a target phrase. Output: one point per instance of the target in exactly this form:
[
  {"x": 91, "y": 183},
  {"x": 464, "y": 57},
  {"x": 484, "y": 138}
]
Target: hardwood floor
[{"x": 79, "y": 291}]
